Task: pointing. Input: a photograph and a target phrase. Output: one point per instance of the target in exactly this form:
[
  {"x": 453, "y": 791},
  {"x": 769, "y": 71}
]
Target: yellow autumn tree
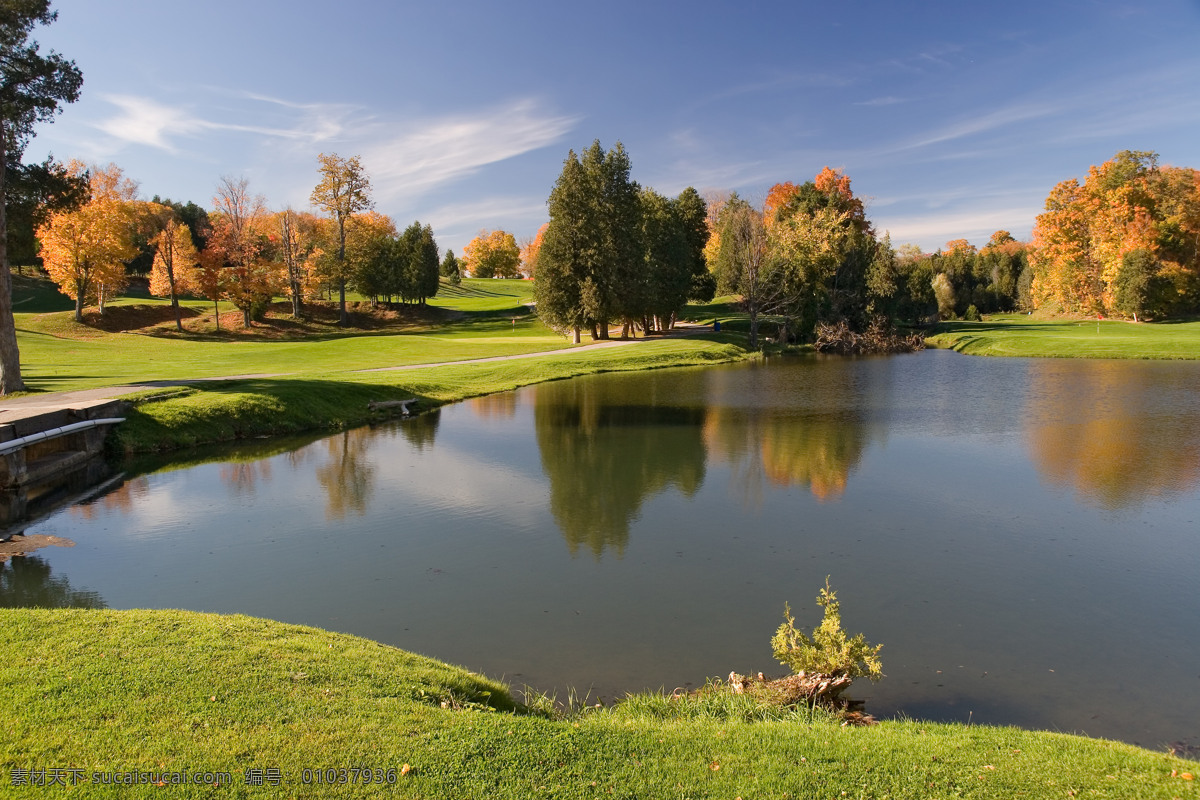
[
  {"x": 1126, "y": 240},
  {"x": 175, "y": 261},
  {"x": 84, "y": 251},
  {"x": 493, "y": 254}
]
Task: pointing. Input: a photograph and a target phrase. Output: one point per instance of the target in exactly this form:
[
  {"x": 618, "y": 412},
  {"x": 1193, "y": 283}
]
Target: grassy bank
[
  {"x": 136, "y": 339},
  {"x": 166, "y": 419},
  {"x": 311, "y": 371},
  {"x": 1022, "y": 335},
  {"x": 174, "y": 691}
]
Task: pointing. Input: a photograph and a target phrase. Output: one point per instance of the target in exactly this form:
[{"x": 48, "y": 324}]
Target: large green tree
[
  {"x": 674, "y": 233},
  {"x": 31, "y": 87},
  {"x": 32, "y": 193},
  {"x": 568, "y": 251},
  {"x": 592, "y": 252}
]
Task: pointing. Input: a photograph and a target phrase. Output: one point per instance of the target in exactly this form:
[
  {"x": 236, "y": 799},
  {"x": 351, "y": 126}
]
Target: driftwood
[
  {"x": 809, "y": 688},
  {"x": 880, "y": 337},
  {"x": 382, "y": 405}
]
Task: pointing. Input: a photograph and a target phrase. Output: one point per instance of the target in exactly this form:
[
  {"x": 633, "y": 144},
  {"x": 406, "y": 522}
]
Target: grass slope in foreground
[
  {"x": 163, "y": 691},
  {"x": 1022, "y": 335}
]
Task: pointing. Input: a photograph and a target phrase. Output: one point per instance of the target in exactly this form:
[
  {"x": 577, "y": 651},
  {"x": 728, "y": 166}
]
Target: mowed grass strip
[
  {"x": 479, "y": 319},
  {"x": 176, "y": 691},
  {"x": 1022, "y": 335}
]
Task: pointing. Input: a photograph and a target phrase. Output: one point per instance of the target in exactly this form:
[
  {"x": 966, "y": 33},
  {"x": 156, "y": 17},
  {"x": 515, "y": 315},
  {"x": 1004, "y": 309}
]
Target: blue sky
[{"x": 953, "y": 119}]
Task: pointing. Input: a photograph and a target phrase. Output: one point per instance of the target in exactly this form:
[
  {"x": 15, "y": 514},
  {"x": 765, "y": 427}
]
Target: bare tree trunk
[
  {"x": 343, "y": 317},
  {"x": 10, "y": 357},
  {"x": 576, "y": 330},
  {"x": 217, "y": 313}
]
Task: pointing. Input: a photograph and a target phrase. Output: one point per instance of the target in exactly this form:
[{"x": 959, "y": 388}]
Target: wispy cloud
[
  {"x": 882, "y": 101},
  {"x": 144, "y": 121},
  {"x": 442, "y": 150},
  {"x": 930, "y": 230},
  {"x": 973, "y": 126},
  {"x": 467, "y": 218}
]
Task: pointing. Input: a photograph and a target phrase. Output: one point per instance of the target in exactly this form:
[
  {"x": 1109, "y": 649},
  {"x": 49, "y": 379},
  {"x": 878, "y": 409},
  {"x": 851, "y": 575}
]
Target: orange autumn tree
[
  {"x": 175, "y": 260},
  {"x": 237, "y": 261},
  {"x": 493, "y": 254},
  {"x": 529, "y": 252},
  {"x": 778, "y": 196},
  {"x": 84, "y": 251},
  {"x": 1125, "y": 241}
]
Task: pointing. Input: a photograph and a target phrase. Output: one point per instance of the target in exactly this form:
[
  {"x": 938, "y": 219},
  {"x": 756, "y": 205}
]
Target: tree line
[{"x": 239, "y": 251}]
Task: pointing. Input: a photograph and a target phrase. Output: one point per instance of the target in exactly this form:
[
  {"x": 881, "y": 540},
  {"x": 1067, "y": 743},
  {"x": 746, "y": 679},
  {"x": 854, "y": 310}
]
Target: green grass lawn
[
  {"x": 316, "y": 369},
  {"x": 487, "y": 318},
  {"x": 1022, "y": 335},
  {"x": 176, "y": 691},
  {"x": 229, "y": 410}
]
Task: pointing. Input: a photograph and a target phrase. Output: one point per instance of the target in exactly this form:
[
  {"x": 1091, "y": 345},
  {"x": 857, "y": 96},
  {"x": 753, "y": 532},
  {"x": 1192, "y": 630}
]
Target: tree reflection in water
[
  {"x": 604, "y": 454},
  {"x": 347, "y": 476},
  {"x": 817, "y": 451},
  {"x": 804, "y": 427},
  {"x": 26, "y": 582},
  {"x": 1115, "y": 441}
]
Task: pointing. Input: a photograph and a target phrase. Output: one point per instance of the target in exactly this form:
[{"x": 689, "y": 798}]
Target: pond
[{"x": 1021, "y": 535}]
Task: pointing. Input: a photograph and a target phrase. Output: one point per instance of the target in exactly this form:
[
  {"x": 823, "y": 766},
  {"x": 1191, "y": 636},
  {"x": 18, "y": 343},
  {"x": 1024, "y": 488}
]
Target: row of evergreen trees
[{"x": 614, "y": 252}]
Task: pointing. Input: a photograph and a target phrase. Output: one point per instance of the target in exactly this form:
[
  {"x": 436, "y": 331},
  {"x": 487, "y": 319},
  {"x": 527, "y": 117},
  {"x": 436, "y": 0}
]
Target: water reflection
[
  {"x": 502, "y": 405},
  {"x": 604, "y": 451},
  {"x": 243, "y": 477},
  {"x": 771, "y": 446},
  {"x": 122, "y": 499},
  {"x": 347, "y": 476},
  {"x": 1115, "y": 432},
  {"x": 809, "y": 432},
  {"x": 419, "y": 431},
  {"x": 28, "y": 582}
]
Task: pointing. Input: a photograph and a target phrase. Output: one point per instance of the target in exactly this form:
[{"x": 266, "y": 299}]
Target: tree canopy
[
  {"x": 32, "y": 86},
  {"x": 1126, "y": 240}
]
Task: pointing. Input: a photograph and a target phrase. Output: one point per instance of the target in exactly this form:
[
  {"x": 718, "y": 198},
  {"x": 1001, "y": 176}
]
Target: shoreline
[
  {"x": 169, "y": 690},
  {"x": 165, "y": 418}
]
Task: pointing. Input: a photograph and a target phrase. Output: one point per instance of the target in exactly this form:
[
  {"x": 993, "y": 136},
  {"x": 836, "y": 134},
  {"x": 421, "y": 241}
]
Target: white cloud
[
  {"x": 932, "y": 229},
  {"x": 1000, "y": 118},
  {"x": 149, "y": 122},
  {"x": 882, "y": 101},
  {"x": 491, "y": 212},
  {"x": 439, "y": 151},
  {"x": 145, "y": 121}
]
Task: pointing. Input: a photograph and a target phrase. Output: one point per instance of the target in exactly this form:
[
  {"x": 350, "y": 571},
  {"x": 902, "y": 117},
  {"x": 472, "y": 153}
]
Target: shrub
[{"x": 829, "y": 650}]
